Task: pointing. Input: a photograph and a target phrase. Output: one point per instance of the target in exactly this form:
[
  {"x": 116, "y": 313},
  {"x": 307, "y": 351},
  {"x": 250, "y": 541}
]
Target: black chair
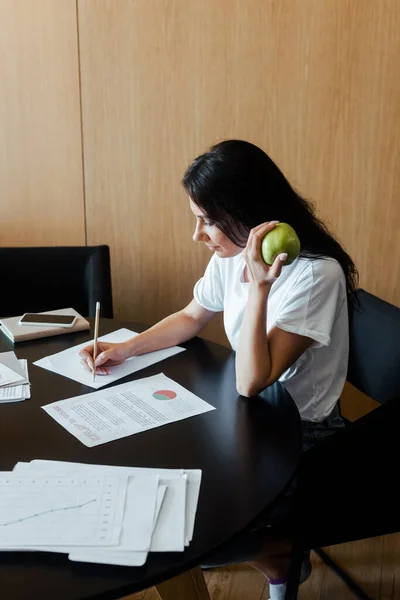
[
  {"x": 44, "y": 279},
  {"x": 347, "y": 485}
]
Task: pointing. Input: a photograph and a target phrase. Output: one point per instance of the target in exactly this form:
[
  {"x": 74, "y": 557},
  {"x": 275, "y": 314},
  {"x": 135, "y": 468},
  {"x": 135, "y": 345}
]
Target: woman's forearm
[
  {"x": 253, "y": 360},
  {"x": 172, "y": 330}
]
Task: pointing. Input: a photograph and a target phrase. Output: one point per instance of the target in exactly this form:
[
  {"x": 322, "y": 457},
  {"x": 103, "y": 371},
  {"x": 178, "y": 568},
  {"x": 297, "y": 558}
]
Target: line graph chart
[
  {"x": 40, "y": 510},
  {"x": 46, "y": 512}
]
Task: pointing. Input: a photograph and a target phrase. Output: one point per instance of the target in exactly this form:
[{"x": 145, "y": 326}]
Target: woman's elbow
[
  {"x": 248, "y": 390},
  {"x": 252, "y": 389}
]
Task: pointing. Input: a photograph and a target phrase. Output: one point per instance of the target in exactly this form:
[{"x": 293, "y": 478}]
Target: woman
[{"x": 286, "y": 323}]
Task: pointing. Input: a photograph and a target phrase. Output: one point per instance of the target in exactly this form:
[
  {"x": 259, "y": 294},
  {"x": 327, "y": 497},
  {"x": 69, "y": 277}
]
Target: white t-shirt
[{"x": 309, "y": 298}]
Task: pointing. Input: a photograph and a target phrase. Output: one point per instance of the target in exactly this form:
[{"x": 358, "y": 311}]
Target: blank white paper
[{"x": 68, "y": 362}]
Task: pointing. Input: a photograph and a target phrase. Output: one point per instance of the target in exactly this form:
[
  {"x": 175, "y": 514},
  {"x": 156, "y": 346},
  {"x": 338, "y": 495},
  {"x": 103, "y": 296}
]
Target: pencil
[{"x": 96, "y": 333}]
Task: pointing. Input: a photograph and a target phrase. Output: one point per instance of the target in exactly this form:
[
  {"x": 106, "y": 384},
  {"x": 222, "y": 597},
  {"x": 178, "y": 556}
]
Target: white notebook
[{"x": 20, "y": 333}]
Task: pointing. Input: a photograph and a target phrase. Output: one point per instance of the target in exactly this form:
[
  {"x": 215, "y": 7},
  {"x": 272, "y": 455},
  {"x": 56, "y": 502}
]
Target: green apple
[{"x": 282, "y": 238}]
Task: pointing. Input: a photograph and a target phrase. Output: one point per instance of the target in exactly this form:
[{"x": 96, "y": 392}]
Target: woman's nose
[{"x": 199, "y": 235}]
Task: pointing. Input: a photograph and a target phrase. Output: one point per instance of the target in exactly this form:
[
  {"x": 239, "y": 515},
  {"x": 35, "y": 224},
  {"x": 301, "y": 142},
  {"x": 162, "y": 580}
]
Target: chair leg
[
  {"x": 293, "y": 582},
  {"x": 351, "y": 584}
]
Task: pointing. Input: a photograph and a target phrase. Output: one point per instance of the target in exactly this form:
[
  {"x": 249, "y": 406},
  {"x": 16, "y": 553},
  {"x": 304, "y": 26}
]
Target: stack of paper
[
  {"x": 97, "y": 513},
  {"x": 14, "y": 380}
]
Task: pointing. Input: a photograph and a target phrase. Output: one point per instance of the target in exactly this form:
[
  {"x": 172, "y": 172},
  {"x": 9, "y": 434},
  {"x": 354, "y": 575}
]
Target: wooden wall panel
[
  {"x": 41, "y": 187},
  {"x": 314, "y": 83}
]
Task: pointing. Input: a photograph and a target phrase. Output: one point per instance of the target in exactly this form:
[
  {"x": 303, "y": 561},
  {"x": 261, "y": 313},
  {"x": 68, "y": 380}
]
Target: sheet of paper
[
  {"x": 120, "y": 559},
  {"x": 67, "y": 362},
  {"x": 126, "y": 409},
  {"x": 140, "y": 506},
  {"x": 15, "y": 393},
  {"x": 74, "y": 510},
  {"x": 23, "y": 363},
  {"x": 8, "y": 376},
  {"x": 21, "y": 466},
  {"x": 10, "y": 360},
  {"x": 110, "y": 557},
  {"x": 138, "y": 517},
  {"x": 192, "y": 498},
  {"x": 175, "y": 523},
  {"x": 169, "y": 535},
  {"x": 160, "y": 499}
]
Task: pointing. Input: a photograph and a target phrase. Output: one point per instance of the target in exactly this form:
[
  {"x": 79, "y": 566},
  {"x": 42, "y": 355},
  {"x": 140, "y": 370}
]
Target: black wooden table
[{"x": 248, "y": 450}]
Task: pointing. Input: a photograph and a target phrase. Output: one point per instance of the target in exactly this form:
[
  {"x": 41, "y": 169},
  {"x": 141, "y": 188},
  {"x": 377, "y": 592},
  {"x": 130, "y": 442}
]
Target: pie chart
[{"x": 164, "y": 395}]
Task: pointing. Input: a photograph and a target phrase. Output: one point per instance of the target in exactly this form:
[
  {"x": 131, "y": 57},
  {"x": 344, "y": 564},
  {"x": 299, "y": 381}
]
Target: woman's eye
[{"x": 208, "y": 223}]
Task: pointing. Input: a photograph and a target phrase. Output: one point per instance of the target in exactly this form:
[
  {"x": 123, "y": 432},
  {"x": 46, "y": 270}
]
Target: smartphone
[{"x": 38, "y": 319}]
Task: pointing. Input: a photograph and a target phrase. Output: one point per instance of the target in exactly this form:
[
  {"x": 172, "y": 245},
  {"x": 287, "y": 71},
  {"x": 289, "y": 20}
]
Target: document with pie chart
[{"x": 126, "y": 409}]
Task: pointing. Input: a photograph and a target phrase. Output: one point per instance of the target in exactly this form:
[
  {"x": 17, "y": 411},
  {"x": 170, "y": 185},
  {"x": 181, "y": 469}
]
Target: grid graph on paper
[{"x": 60, "y": 510}]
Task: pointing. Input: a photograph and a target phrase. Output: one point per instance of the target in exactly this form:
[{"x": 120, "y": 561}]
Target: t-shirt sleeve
[
  {"x": 311, "y": 306},
  {"x": 209, "y": 290}
]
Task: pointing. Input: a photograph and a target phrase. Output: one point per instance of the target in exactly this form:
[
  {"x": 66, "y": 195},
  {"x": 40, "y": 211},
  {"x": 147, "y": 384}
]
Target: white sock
[{"x": 277, "y": 591}]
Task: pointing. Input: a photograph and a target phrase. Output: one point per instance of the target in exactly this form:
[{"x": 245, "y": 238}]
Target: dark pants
[
  {"x": 316, "y": 432},
  {"x": 247, "y": 545}
]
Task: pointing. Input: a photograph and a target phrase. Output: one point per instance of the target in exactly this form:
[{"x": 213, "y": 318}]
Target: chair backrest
[
  {"x": 347, "y": 486},
  {"x": 374, "y": 360},
  {"x": 42, "y": 279}
]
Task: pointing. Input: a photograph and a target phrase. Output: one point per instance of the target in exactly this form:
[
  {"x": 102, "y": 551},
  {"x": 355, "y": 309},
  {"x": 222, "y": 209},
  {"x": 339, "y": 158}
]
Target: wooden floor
[{"x": 373, "y": 563}]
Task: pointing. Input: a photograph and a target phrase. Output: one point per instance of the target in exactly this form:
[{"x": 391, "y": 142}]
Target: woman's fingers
[
  {"x": 108, "y": 355},
  {"x": 104, "y": 353},
  {"x": 263, "y": 228},
  {"x": 99, "y": 370},
  {"x": 85, "y": 364},
  {"x": 102, "y": 358},
  {"x": 258, "y": 270},
  {"x": 87, "y": 353},
  {"x": 256, "y": 236},
  {"x": 277, "y": 265},
  {"x": 102, "y": 371}
]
